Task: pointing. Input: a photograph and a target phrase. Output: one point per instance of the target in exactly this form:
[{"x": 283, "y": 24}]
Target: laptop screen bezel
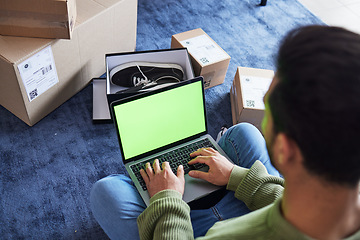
[{"x": 146, "y": 94}]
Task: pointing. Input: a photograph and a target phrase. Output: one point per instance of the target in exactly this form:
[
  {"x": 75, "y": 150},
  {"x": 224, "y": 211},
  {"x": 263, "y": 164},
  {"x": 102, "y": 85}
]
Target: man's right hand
[
  {"x": 219, "y": 167},
  {"x": 157, "y": 179}
]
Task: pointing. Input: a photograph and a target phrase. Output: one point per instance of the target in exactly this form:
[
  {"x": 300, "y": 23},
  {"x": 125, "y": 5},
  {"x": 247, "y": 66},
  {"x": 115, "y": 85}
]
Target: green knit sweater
[{"x": 168, "y": 216}]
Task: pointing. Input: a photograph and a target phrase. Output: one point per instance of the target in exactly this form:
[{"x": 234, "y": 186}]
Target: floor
[{"x": 343, "y": 13}]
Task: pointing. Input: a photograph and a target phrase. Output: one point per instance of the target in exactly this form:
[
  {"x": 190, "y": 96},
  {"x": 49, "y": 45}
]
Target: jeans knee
[
  {"x": 97, "y": 190},
  {"x": 246, "y": 131},
  {"x": 102, "y": 187},
  {"x": 239, "y": 131},
  {"x": 246, "y": 128}
]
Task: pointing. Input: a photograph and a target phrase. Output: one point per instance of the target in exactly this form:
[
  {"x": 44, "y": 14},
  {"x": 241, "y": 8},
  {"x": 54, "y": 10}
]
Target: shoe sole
[{"x": 143, "y": 64}]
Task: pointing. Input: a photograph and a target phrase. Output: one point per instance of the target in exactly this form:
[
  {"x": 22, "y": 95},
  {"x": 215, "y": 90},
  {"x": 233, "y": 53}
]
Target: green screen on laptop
[{"x": 157, "y": 120}]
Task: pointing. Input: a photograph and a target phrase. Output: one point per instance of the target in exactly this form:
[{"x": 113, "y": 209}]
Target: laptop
[{"x": 166, "y": 124}]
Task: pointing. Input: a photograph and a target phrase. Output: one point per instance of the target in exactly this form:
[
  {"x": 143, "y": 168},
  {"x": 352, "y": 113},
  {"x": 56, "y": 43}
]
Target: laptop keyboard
[{"x": 180, "y": 156}]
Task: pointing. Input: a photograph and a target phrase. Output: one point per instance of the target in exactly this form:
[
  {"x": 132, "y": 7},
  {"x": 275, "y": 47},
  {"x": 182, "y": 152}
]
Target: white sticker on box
[
  {"x": 38, "y": 73},
  {"x": 253, "y": 90},
  {"x": 204, "y": 50}
]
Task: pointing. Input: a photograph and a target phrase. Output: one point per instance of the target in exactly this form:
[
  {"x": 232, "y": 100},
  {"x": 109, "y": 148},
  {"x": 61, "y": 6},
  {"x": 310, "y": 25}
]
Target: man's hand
[
  {"x": 219, "y": 167},
  {"x": 157, "y": 180}
]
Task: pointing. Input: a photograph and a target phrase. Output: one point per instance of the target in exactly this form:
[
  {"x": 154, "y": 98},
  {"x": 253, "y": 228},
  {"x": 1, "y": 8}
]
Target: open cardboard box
[{"x": 101, "y": 101}]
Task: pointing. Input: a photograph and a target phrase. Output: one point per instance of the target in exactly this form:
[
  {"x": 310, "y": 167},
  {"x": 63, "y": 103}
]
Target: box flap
[
  {"x": 101, "y": 111},
  {"x": 13, "y": 49},
  {"x": 87, "y": 9},
  {"x": 106, "y": 3},
  {"x": 265, "y": 73}
]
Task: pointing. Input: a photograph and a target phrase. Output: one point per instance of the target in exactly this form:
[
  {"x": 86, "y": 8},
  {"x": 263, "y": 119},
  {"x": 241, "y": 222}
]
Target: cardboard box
[
  {"x": 177, "y": 56},
  {"x": 246, "y": 95},
  {"x": 208, "y": 58},
  {"x": 38, "y": 18},
  {"x": 38, "y": 75}
]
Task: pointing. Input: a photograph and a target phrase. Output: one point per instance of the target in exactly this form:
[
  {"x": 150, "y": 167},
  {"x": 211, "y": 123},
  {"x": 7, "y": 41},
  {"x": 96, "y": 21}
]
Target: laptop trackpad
[{"x": 197, "y": 188}]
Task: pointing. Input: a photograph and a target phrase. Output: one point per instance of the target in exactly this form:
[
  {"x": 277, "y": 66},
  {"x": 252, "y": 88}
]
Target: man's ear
[{"x": 285, "y": 151}]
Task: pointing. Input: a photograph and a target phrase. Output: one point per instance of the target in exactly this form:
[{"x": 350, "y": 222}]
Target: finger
[
  {"x": 199, "y": 174},
  {"x": 156, "y": 166},
  {"x": 180, "y": 171},
  {"x": 166, "y": 165},
  {"x": 197, "y": 152},
  {"x": 208, "y": 151},
  {"x": 203, "y": 152},
  {"x": 199, "y": 159},
  {"x": 144, "y": 176},
  {"x": 148, "y": 169},
  {"x": 166, "y": 168}
]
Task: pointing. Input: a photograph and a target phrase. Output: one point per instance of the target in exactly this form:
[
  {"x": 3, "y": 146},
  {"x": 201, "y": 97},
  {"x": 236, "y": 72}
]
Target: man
[{"x": 311, "y": 128}]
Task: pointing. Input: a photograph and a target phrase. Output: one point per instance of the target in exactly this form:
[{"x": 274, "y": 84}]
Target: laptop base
[{"x": 208, "y": 201}]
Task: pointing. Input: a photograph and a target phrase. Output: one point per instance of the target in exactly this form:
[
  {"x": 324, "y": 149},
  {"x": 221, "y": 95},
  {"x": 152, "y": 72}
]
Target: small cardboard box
[
  {"x": 38, "y": 75},
  {"x": 38, "y": 18},
  {"x": 246, "y": 95},
  {"x": 178, "y": 56},
  {"x": 207, "y": 57}
]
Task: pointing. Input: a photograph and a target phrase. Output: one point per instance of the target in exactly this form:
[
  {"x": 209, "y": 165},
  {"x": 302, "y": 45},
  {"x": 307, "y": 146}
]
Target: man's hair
[{"x": 317, "y": 100}]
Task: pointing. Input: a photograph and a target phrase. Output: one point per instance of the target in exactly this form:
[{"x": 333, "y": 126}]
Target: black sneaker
[
  {"x": 134, "y": 74},
  {"x": 221, "y": 133}
]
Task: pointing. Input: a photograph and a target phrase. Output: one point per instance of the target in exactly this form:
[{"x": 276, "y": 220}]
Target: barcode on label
[
  {"x": 207, "y": 83},
  {"x": 209, "y": 47},
  {"x": 250, "y": 103},
  {"x": 33, "y": 94},
  {"x": 46, "y": 69},
  {"x": 204, "y": 60}
]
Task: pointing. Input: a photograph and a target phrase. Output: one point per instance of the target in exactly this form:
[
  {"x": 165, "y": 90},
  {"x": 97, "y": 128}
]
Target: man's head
[{"x": 315, "y": 100}]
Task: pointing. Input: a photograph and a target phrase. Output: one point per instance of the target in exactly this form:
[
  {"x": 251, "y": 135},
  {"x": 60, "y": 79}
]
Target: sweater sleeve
[
  {"x": 167, "y": 217},
  {"x": 254, "y": 186}
]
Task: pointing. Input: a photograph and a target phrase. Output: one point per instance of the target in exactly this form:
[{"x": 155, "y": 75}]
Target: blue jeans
[{"x": 116, "y": 203}]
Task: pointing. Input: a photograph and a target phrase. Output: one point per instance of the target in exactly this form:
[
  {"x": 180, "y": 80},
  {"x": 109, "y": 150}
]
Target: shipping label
[
  {"x": 253, "y": 90},
  {"x": 38, "y": 73},
  {"x": 204, "y": 50}
]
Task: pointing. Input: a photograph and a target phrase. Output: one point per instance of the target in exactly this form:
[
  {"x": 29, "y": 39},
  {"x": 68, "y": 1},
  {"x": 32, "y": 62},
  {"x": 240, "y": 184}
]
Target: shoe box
[
  {"x": 38, "y": 74},
  {"x": 105, "y": 92},
  {"x": 246, "y": 95},
  {"x": 208, "y": 58},
  {"x": 38, "y": 18}
]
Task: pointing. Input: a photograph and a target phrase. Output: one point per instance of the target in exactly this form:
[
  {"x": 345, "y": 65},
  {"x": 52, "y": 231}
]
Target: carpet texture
[{"x": 46, "y": 171}]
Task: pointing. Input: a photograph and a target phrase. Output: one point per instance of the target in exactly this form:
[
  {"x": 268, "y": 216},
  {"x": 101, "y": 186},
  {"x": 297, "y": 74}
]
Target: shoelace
[{"x": 140, "y": 81}]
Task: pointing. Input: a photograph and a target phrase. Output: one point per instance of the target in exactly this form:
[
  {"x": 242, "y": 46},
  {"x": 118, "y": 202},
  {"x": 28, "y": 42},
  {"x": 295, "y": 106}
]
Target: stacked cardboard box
[
  {"x": 38, "y": 75},
  {"x": 38, "y": 18}
]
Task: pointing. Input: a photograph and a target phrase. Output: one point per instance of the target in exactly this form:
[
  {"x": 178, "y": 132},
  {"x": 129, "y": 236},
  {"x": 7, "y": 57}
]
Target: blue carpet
[{"x": 46, "y": 171}]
